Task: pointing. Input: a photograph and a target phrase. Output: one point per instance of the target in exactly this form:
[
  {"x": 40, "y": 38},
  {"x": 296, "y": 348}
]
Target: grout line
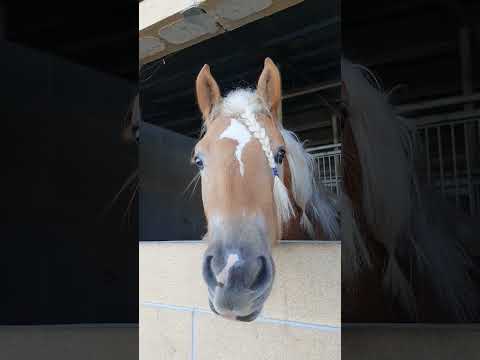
[
  {"x": 193, "y": 349},
  {"x": 167, "y": 306},
  {"x": 260, "y": 319},
  {"x": 299, "y": 324}
]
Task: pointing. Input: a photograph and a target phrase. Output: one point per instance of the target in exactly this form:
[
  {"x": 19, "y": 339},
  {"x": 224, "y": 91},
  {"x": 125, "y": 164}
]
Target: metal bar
[
  {"x": 339, "y": 175},
  {"x": 336, "y": 160},
  {"x": 330, "y": 175},
  {"x": 317, "y": 161},
  {"x": 454, "y": 159},
  {"x": 440, "y": 159},
  {"x": 312, "y": 89},
  {"x": 469, "y": 174},
  {"x": 324, "y": 147},
  {"x": 308, "y": 126},
  {"x": 335, "y": 141},
  {"x": 429, "y": 165},
  {"x": 453, "y": 100},
  {"x": 324, "y": 171},
  {"x": 458, "y": 122},
  {"x": 437, "y": 118}
]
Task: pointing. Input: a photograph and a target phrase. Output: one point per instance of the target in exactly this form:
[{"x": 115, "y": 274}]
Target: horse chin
[
  {"x": 250, "y": 317},
  {"x": 231, "y": 316}
]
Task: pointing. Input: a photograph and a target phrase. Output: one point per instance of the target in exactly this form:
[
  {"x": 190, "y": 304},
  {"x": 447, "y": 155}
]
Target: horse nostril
[
  {"x": 208, "y": 272},
  {"x": 262, "y": 276}
]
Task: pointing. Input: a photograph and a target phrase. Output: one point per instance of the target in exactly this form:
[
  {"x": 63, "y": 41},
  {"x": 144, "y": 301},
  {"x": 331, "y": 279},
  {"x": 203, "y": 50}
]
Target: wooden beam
[{"x": 160, "y": 15}]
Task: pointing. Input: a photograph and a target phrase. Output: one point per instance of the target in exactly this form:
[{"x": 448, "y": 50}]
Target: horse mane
[
  {"x": 386, "y": 174},
  {"x": 309, "y": 194},
  {"x": 398, "y": 210}
]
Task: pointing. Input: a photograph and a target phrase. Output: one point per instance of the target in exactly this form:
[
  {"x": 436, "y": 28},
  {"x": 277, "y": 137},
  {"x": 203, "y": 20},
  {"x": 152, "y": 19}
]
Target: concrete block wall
[{"x": 301, "y": 319}]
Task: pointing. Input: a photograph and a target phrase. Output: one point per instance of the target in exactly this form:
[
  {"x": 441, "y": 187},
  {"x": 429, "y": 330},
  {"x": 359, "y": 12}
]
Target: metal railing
[
  {"x": 451, "y": 150},
  {"x": 451, "y": 146},
  {"x": 328, "y": 160}
]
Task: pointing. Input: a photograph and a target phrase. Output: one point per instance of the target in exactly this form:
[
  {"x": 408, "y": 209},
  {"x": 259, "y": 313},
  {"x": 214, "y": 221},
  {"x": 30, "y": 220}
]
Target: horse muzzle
[{"x": 239, "y": 279}]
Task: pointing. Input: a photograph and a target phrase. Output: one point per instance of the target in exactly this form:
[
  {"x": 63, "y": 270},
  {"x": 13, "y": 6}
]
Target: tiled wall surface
[{"x": 301, "y": 319}]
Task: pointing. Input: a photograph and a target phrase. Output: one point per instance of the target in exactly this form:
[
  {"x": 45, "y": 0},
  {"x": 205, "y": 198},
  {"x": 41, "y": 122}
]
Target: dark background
[
  {"x": 412, "y": 43},
  {"x": 68, "y": 73}
]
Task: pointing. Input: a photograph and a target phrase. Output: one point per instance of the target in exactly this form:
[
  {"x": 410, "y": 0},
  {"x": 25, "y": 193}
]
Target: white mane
[
  {"x": 314, "y": 201},
  {"x": 240, "y": 101}
]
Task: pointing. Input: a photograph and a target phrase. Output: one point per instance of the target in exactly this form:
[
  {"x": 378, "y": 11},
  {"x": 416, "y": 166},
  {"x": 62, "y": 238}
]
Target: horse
[
  {"x": 131, "y": 124},
  {"x": 258, "y": 187},
  {"x": 403, "y": 247}
]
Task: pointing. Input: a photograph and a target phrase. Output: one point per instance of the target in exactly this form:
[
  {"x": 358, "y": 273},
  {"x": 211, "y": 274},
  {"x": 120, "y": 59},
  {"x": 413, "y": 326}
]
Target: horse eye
[
  {"x": 280, "y": 155},
  {"x": 198, "y": 162}
]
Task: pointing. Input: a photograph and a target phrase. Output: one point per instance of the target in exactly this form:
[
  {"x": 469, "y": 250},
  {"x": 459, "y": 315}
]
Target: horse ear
[
  {"x": 269, "y": 87},
  {"x": 208, "y": 92}
]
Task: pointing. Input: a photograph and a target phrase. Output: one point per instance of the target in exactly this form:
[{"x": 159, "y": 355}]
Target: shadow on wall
[
  {"x": 63, "y": 162},
  {"x": 167, "y": 211}
]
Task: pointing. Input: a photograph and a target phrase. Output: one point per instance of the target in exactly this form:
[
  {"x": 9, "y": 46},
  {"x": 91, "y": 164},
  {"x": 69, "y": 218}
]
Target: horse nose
[
  {"x": 248, "y": 274},
  {"x": 231, "y": 272},
  {"x": 257, "y": 274}
]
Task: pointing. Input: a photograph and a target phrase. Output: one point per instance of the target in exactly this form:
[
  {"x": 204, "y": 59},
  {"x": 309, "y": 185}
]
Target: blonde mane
[{"x": 310, "y": 196}]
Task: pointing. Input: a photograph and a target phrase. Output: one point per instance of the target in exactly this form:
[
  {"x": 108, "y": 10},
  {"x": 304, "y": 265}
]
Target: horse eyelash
[{"x": 192, "y": 157}]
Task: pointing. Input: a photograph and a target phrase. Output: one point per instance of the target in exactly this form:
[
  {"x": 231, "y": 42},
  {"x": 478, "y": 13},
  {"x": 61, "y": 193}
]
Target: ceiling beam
[
  {"x": 312, "y": 89},
  {"x": 176, "y": 16},
  {"x": 424, "y": 105}
]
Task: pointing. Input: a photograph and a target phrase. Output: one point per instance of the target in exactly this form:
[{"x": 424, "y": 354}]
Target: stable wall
[
  {"x": 301, "y": 319},
  {"x": 166, "y": 210},
  {"x": 63, "y": 162}
]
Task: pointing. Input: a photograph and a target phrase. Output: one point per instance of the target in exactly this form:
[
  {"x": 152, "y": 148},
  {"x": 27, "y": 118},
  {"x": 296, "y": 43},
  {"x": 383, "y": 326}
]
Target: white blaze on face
[
  {"x": 231, "y": 260},
  {"x": 238, "y": 132}
]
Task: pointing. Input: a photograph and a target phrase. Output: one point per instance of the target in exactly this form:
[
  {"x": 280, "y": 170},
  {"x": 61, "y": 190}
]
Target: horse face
[
  {"x": 237, "y": 193},
  {"x": 236, "y": 179}
]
